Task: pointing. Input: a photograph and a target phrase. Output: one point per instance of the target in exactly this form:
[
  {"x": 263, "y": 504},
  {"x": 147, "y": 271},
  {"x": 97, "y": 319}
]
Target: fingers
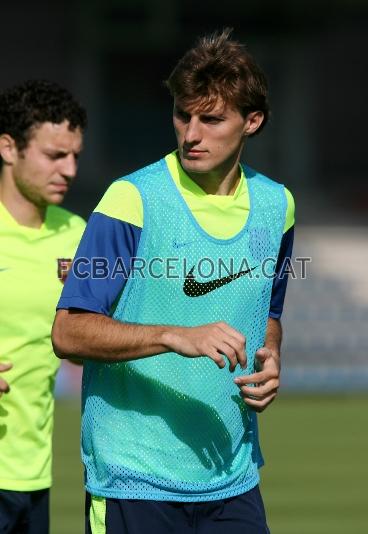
[
  {"x": 260, "y": 392},
  {"x": 231, "y": 331},
  {"x": 259, "y": 389},
  {"x": 260, "y": 397},
  {"x": 260, "y": 405},
  {"x": 236, "y": 341},
  {"x": 5, "y": 367},
  {"x": 230, "y": 353},
  {"x": 255, "y": 378},
  {"x": 270, "y": 370},
  {"x": 215, "y": 340},
  {"x": 4, "y": 386},
  {"x": 217, "y": 358},
  {"x": 260, "y": 385}
]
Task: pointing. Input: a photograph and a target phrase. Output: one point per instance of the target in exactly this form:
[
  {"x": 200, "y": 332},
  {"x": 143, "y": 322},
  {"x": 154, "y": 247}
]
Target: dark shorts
[
  {"x": 24, "y": 512},
  {"x": 243, "y": 514}
]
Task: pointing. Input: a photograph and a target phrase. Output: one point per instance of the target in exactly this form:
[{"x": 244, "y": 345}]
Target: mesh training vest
[{"x": 169, "y": 427}]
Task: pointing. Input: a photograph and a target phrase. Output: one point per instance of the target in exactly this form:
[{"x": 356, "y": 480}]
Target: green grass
[
  {"x": 314, "y": 480},
  {"x": 67, "y": 496}
]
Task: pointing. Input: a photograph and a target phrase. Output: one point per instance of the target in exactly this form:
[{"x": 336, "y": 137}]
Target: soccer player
[
  {"x": 173, "y": 278},
  {"x": 41, "y": 129}
]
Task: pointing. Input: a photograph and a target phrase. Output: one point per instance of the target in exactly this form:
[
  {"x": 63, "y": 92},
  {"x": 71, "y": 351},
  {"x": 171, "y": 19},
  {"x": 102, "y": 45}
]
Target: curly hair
[
  {"x": 34, "y": 102},
  {"x": 220, "y": 67}
]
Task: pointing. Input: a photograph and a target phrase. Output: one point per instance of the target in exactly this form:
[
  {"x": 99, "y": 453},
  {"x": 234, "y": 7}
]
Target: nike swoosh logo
[
  {"x": 176, "y": 244},
  {"x": 192, "y": 288}
]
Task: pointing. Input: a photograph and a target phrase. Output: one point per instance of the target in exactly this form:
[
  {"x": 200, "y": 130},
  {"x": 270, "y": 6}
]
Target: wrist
[
  {"x": 169, "y": 337},
  {"x": 275, "y": 351}
]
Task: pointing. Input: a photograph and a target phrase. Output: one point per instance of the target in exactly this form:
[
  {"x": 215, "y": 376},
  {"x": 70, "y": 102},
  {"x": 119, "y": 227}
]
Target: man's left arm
[{"x": 266, "y": 379}]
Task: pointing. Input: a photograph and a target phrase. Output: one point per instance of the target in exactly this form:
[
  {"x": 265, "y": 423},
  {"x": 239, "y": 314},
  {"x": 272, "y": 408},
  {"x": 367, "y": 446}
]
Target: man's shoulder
[
  {"x": 146, "y": 171},
  {"x": 122, "y": 200},
  {"x": 251, "y": 173}
]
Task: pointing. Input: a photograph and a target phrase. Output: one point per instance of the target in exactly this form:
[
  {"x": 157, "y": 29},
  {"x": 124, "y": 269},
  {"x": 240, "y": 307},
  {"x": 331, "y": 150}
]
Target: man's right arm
[
  {"x": 83, "y": 326},
  {"x": 79, "y": 334}
]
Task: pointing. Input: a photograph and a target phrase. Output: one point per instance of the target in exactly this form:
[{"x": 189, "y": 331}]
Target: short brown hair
[
  {"x": 219, "y": 67},
  {"x": 33, "y": 102}
]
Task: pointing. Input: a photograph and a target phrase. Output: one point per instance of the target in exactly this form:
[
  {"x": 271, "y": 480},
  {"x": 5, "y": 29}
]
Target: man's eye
[
  {"x": 212, "y": 120},
  {"x": 182, "y": 115}
]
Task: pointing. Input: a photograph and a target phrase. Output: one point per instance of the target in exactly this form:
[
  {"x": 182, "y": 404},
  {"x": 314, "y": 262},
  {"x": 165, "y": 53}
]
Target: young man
[
  {"x": 169, "y": 432},
  {"x": 41, "y": 129}
]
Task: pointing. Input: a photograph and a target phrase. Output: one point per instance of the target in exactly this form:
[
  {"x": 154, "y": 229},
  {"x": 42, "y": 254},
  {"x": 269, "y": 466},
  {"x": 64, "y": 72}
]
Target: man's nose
[
  {"x": 193, "y": 131},
  {"x": 69, "y": 166}
]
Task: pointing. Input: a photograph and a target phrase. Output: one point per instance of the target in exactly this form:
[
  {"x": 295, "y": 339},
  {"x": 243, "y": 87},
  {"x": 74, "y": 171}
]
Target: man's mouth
[
  {"x": 193, "y": 152},
  {"x": 60, "y": 188}
]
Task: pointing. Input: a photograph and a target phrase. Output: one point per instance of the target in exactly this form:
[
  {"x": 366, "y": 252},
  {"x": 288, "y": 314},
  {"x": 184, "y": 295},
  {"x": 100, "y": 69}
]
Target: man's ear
[
  {"x": 253, "y": 121},
  {"x": 8, "y": 149}
]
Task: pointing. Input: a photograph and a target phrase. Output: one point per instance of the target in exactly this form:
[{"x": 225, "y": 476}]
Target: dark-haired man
[
  {"x": 169, "y": 445},
  {"x": 41, "y": 130}
]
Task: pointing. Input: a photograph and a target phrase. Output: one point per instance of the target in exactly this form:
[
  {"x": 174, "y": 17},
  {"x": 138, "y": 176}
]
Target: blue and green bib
[{"x": 169, "y": 427}]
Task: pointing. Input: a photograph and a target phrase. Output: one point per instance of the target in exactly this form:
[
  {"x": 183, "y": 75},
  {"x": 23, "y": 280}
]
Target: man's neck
[
  {"x": 25, "y": 212},
  {"x": 217, "y": 185},
  {"x": 222, "y": 181}
]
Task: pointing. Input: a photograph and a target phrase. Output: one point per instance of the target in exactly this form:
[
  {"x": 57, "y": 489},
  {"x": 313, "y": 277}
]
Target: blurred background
[{"x": 114, "y": 55}]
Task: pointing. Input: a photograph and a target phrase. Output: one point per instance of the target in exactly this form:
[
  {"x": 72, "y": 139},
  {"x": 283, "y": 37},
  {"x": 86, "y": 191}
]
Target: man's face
[
  {"x": 44, "y": 170},
  {"x": 208, "y": 141}
]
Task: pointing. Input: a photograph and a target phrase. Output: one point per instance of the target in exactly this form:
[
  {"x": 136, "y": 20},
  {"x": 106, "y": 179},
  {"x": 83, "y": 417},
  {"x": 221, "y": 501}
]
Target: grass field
[{"x": 314, "y": 480}]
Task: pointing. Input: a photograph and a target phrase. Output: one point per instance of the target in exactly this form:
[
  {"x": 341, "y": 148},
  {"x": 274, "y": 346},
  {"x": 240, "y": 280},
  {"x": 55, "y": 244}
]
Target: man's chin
[
  {"x": 55, "y": 199},
  {"x": 193, "y": 165}
]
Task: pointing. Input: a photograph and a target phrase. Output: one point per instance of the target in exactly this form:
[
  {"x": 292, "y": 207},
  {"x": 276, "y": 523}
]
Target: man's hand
[
  {"x": 4, "y": 386},
  {"x": 266, "y": 381},
  {"x": 214, "y": 340}
]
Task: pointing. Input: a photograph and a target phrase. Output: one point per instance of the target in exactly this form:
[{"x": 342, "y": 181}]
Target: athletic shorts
[
  {"x": 243, "y": 514},
  {"x": 24, "y": 512}
]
